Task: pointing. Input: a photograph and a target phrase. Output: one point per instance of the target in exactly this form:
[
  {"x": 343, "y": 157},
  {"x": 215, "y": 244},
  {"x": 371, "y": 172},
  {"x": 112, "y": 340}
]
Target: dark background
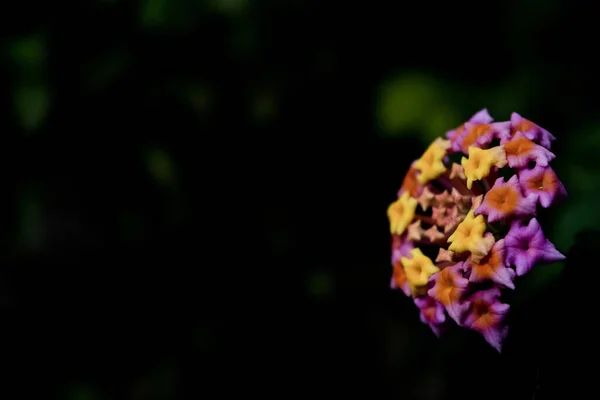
[{"x": 194, "y": 195}]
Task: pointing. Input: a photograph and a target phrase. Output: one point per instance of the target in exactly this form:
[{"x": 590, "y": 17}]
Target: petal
[
  {"x": 524, "y": 262},
  {"x": 404, "y": 288},
  {"x": 426, "y": 198},
  {"x": 501, "y": 129},
  {"x": 434, "y": 234},
  {"x": 481, "y": 249},
  {"x": 500, "y": 308},
  {"x": 532, "y": 229},
  {"x": 429, "y": 304},
  {"x": 531, "y": 130},
  {"x": 549, "y": 252},
  {"x": 458, "y": 310},
  {"x": 481, "y": 134},
  {"x": 551, "y": 187},
  {"x": 485, "y": 209},
  {"x": 515, "y": 235},
  {"x": 520, "y": 151},
  {"x": 536, "y": 236},
  {"x": 459, "y": 280},
  {"x": 545, "y": 199},
  {"x": 414, "y": 231},
  {"x": 527, "y": 205},
  {"x": 457, "y": 172},
  {"x": 440, "y": 315},
  {"x": 495, "y": 337},
  {"x": 504, "y": 276},
  {"x": 481, "y": 117},
  {"x": 505, "y": 199},
  {"x": 542, "y": 156},
  {"x": 513, "y": 181},
  {"x": 469, "y": 319},
  {"x": 444, "y": 255},
  {"x": 490, "y": 295},
  {"x": 545, "y": 138},
  {"x": 476, "y": 201},
  {"x": 437, "y": 330}
]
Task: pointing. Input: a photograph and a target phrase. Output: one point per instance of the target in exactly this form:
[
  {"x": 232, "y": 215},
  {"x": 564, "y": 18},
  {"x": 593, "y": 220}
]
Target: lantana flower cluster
[{"x": 464, "y": 225}]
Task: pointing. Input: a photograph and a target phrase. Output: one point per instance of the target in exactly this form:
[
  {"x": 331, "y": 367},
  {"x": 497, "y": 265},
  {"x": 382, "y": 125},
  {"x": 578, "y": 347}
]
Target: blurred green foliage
[
  {"x": 31, "y": 219},
  {"x": 230, "y": 7},
  {"x": 160, "y": 166},
  {"x": 414, "y": 103},
  {"x": 320, "y": 285},
  {"x": 82, "y": 392},
  {"x": 105, "y": 68},
  {"x": 31, "y": 103},
  {"x": 28, "y": 53},
  {"x": 31, "y": 93},
  {"x": 579, "y": 170}
]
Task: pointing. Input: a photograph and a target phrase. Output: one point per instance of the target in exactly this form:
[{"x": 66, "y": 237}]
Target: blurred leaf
[
  {"x": 441, "y": 119},
  {"x": 205, "y": 338},
  {"x": 160, "y": 166},
  {"x": 82, "y": 392},
  {"x": 515, "y": 94},
  {"x": 174, "y": 15},
  {"x": 197, "y": 95},
  {"x": 31, "y": 227},
  {"x": 29, "y": 52},
  {"x": 154, "y": 12},
  {"x": 157, "y": 385},
  {"x": 106, "y": 69},
  {"x": 539, "y": 278},
  {"x": 230, "y": 7},
  {"x": 264, "y": 106},
  {"x": 132, "y": 225},
  {"x": 320, "y": 284},
  {"x": 580, "y": 179},
  {"x": 31, "y": 105},
  {"x": 244, "y": 38},
  {"x": 165, "y": 382},
  {"x": 415, "y": 103},
  {"x": 578, "y": 216},
  {"x": 579, "y": 170},
  {"x": 278, "y": 225}
]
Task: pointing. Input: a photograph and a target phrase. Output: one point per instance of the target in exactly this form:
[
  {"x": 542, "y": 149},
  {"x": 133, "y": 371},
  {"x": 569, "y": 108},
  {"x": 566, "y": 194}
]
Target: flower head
[{"x": 459, "y": 214}]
